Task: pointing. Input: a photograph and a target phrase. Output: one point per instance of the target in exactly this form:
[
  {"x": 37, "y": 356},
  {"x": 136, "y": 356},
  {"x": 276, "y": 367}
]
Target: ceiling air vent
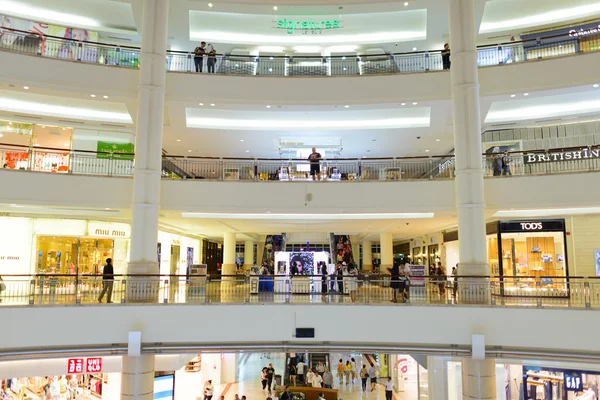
[
  {"x": 26, "y": 116},
  {"x": 543, "y": 121},
  {"x": 507, "y": 124},
  {"x": 64, "y": 121},
  {"x": 114, "y": 126}
]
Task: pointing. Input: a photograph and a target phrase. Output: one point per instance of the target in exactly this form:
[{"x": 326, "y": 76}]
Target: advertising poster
[
  {"x": 417, "y": 275},
  {"x": 116, "y": 151},
  {"x": 190, "y": 257},
  {"x": 302, "y": 263}
]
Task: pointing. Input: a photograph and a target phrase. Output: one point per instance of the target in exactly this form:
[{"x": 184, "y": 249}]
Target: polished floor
[{"x": 249, "y": 385}]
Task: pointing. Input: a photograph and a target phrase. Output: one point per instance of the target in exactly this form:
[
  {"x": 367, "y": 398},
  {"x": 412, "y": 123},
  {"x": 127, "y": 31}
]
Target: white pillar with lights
[
  {"x": 148, "y": 139},
  {"x": 248, "y": 255},
  {"x": 467, "y": 143}
]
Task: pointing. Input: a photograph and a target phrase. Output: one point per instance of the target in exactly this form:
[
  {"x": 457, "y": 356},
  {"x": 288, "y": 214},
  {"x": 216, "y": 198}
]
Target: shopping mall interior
[{"x": 256, "y": 198}]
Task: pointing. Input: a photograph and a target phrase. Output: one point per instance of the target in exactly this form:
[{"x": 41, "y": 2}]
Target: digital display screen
[{"x": 164, "y": 387}]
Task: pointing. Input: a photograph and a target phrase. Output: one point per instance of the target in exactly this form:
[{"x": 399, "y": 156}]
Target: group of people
[
  {"x": 266, "y": 377},
  {"x": 209, "y": 390},
  {"x": 400, "y": 282},
  {"x": 343, "y": 273},
  {"x": 344, "y": 250},
  {"x": 501, "y": 162},
  {"x": 207, "y": 51}
]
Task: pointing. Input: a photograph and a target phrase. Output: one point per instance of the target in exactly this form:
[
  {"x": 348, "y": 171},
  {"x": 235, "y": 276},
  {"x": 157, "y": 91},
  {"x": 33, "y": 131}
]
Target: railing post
[
  {"x": 167, "y": 290},
  {"x": 427, "y": 66},
  {"x": 79, "y": 50},
  {"x": 538, "y": 287},
  {"x": 71, "y": 154},
  {"x": 500, "y": 61},
  {"x": 125, "y": 291},
  {"x": 118, "y": 56},
  {"x": 190, "y": 62},
  {"x": 77, "y": 290},
  {"x": 221, "y": 169},
  {"x": 110, "y": 164},
  {"x": 32, "y": 292}
]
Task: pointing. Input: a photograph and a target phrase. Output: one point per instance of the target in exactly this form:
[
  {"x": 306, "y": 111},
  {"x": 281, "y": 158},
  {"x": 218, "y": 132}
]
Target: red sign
[
  {"x": 93, "y": 365},
  {"x": 75, "y": 365}
]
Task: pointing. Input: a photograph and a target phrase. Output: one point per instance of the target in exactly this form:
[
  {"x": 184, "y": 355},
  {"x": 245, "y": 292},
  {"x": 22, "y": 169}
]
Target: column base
[
  {"x": 137, "y": 378},
  {"x": 474, "y": 290},
  {"x": 142, "y": 289},
  {"x": 478, "y": 379}
]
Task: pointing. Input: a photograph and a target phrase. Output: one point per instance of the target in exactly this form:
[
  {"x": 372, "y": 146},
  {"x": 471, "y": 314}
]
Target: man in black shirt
[
  {"x": 199, "y": 53},
  {"x": 270, "y": 376},
  {"x": 108, "y": 278},
  {"x": 315, "y": 168}
]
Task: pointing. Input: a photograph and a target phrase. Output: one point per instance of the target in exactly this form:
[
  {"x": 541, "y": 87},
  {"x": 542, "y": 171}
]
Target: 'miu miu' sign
[{"x": 536, "y": 158}]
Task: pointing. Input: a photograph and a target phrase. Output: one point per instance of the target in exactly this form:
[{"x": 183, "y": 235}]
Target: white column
[
  {"x": 137, "y": 378},
  {"x": 367, "y": 256},
  {"x": 355, "y": 248},
  {"x": 467, "y": 144},
  {"x": 437, "y": 378},
  {"x": 387, "y": 251},
  {"x": 228, "y": 267},
  {"x": 148, "y": 139},
  {"x": 248, "y": 254},
  {"x": 478, "y": 379}
]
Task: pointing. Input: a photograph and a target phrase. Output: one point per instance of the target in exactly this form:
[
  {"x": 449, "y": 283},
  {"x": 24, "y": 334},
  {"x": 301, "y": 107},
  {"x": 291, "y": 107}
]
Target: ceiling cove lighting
[
  {"x": 51, "y": 110},
  {"x": 27, "y": 11},
  {"x": 351, "y": 124},
  {"x": 562, "y": 14},
  {"x": 247, "y": 39},
  {"x": 349, "y": 216},
  {"x": 544, "y": 111},
  {"x": 554, "y": 212}
]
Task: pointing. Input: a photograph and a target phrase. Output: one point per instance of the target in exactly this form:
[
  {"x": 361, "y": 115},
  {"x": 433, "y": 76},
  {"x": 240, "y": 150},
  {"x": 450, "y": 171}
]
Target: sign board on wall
[
  {"x": 555, "y": 156},
  {"x": 533, "y": 226},
  {"x": 76, "y": 365},
  {"x": 116, "y": 151},
  {"x": 111, "y": 230}
]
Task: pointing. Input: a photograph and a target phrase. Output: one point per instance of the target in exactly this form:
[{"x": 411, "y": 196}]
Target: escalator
[
  {"x": 273, "y": 244},
  {"x": 341, "y": 249},
  {"x": 171, "y": 170},
  {"x": 311, "y": 360},
  {"x": 316, "y": 358}
]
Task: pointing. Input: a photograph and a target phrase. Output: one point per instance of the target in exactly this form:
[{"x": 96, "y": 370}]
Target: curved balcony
[{"x": 343, "y": 65}]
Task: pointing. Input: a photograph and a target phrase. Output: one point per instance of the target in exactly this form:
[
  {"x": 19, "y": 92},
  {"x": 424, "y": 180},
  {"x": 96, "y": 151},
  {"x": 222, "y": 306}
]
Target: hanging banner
[{"x": 116, "y": 151}]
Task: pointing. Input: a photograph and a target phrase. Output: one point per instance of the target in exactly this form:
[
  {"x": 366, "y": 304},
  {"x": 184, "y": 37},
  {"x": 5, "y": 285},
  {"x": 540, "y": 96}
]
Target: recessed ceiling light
[
  {"x": 405, "y": 3},
  {"x": 415, "y": 103},
  {"x": 525, "y": 94},
  {"x": 107, "y": 209},
  {"x": 210, "y": 4},
  {"x": 212, "y": 104},
  {"x": 106, "y": 97},
  {"x": 10, "y": 122},
  {"x": 36, "y": 145},
  {"x": 26, "y": 87},
  {"x": 513, "y": 95},
  {"x": 64, "y": 129},
  {"x": 596, "y": 85},
  {"x": 346, "y": 106},
  {"x": 179, "y": 140},
  {"x": 437, "y": 140},
  {"x": 1, "y": 135},
  {"x": 414, "y": 49},
  {"x": 275, "y": 8},
  {"x": 67, "y": 144},
  {"x": 403, "y": 104},
  {"x": 247, "y": 151},
  {"x": 427, "y": 151},
  {"x": 92, "y": 95},
  {"x": 200, "y": 104},
  {"x": 43, "y": 126},
  {"x": 268, "y": 106},
  {"x": 241, "y": 140},
  {"x": 189, "y": 151}
]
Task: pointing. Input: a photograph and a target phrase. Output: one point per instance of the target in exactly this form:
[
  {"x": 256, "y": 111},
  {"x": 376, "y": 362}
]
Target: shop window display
[
  {"x": 64, "y": 387},
  {"x": 530, "y": 257},
  {"x": 68, "y": 255}
]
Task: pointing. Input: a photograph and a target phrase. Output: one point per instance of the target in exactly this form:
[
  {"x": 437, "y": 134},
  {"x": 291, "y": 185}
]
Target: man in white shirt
[
  {"x": 316, "y": 381},
  {"x": 300, "y": 371},
  {"x": 309, "y": 377},
  {"x": 389, "y": 389}
]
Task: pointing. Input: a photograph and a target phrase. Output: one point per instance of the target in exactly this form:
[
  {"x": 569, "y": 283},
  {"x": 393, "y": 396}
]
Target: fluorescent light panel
[
  {"x": 543, "y": 111},
  {"x": 354, "y": 216},
  {"x": 51, "y": 110},
  {"x": 550, "y": 212}
]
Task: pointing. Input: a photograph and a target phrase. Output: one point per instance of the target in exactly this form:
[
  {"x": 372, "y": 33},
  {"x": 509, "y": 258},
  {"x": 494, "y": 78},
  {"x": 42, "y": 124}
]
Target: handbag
[
  {"x": 536, "y": 249},
  {"x": 546, "y": 258}
]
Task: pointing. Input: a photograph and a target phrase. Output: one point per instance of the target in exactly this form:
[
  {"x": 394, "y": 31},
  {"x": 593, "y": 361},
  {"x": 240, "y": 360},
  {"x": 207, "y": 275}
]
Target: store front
[
  {"x": 529, "y": 257},
  {"x": 571, "y": 40},
  {"x": 553, "y": 383}
]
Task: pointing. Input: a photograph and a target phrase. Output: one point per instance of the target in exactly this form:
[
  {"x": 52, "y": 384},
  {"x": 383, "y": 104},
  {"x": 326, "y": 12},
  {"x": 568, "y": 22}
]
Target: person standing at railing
[
  {"x": 108, "y": 279},
  {"x": 315, "y": 164},
  {"x": 446, "y": 57},
  {"x": 506, "y": 161},
  {"x": 212, "y": 58},
  {"x": 199, "y": 56},
  {"x": 396, "y": 284}
]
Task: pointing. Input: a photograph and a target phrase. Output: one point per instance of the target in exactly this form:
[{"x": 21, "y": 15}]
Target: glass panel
[{"x": 56, "y": 255}]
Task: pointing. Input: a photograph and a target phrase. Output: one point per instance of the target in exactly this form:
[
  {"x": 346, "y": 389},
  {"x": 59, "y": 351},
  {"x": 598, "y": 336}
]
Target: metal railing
[
  {"x": 532, "y": 291},
  {"x": 435, "y": 167},
  {"x": 343, "y": 65}
]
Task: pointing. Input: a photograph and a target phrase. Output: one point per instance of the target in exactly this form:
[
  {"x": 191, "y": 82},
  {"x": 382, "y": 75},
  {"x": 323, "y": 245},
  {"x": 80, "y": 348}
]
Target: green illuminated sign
[
  {"x": 116, "y": 151},
  {"x": 291, "y": 25}
]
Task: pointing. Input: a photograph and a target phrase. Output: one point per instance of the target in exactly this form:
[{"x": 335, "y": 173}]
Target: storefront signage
[
  {"x": 537, "y": 158},
  {"x": 584, "y": 32},
  {"x": 116, "y": 151},
  {"x": 417, "y": 275},
  {"x": 109, "y": 230},
  {"x": 309, "y": 26},
  {"x": 533, "y": 226},
  {"x": 92, "y": 365},
  {"x": 573, "y": 382}
]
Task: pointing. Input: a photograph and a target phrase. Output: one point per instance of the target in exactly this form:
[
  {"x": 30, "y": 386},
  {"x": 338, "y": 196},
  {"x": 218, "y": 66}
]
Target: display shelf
[{"x": 194, "y": 365}]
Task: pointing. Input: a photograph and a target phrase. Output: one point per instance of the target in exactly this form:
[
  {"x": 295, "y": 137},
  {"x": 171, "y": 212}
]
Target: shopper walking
[
  {"x": 208, "y": 390},
  {"x": 270, "y": 376},
  {"x": 315, "y": 166},
  {"x": 395, "y": 284},
  {"x": 309, "y": 377},
  {"x": 340, "y": 279},
  {"x": 316, "y": 381},
  {"x": 455, "y": 278},
  {"x": 446, "y": 57},
  {"x": 292, "y": 372},
  {"x": 108, "y": 279},
  {"x": 199, "y": 56},
  {"x": 348, "y": 372},
  {"x": 364, "y": 375},
  {"x": 324, "y": 273},
  {"x": 373, "y": 377},
  {"x": 320, "y": 368},
  {"x": 340, "y": 371},
  {"x": 263, "y": 378},
  {"x": 389, "y": 387},
  {"x": 327, "y": 379},
  {"x": 354, "y": 370}
]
